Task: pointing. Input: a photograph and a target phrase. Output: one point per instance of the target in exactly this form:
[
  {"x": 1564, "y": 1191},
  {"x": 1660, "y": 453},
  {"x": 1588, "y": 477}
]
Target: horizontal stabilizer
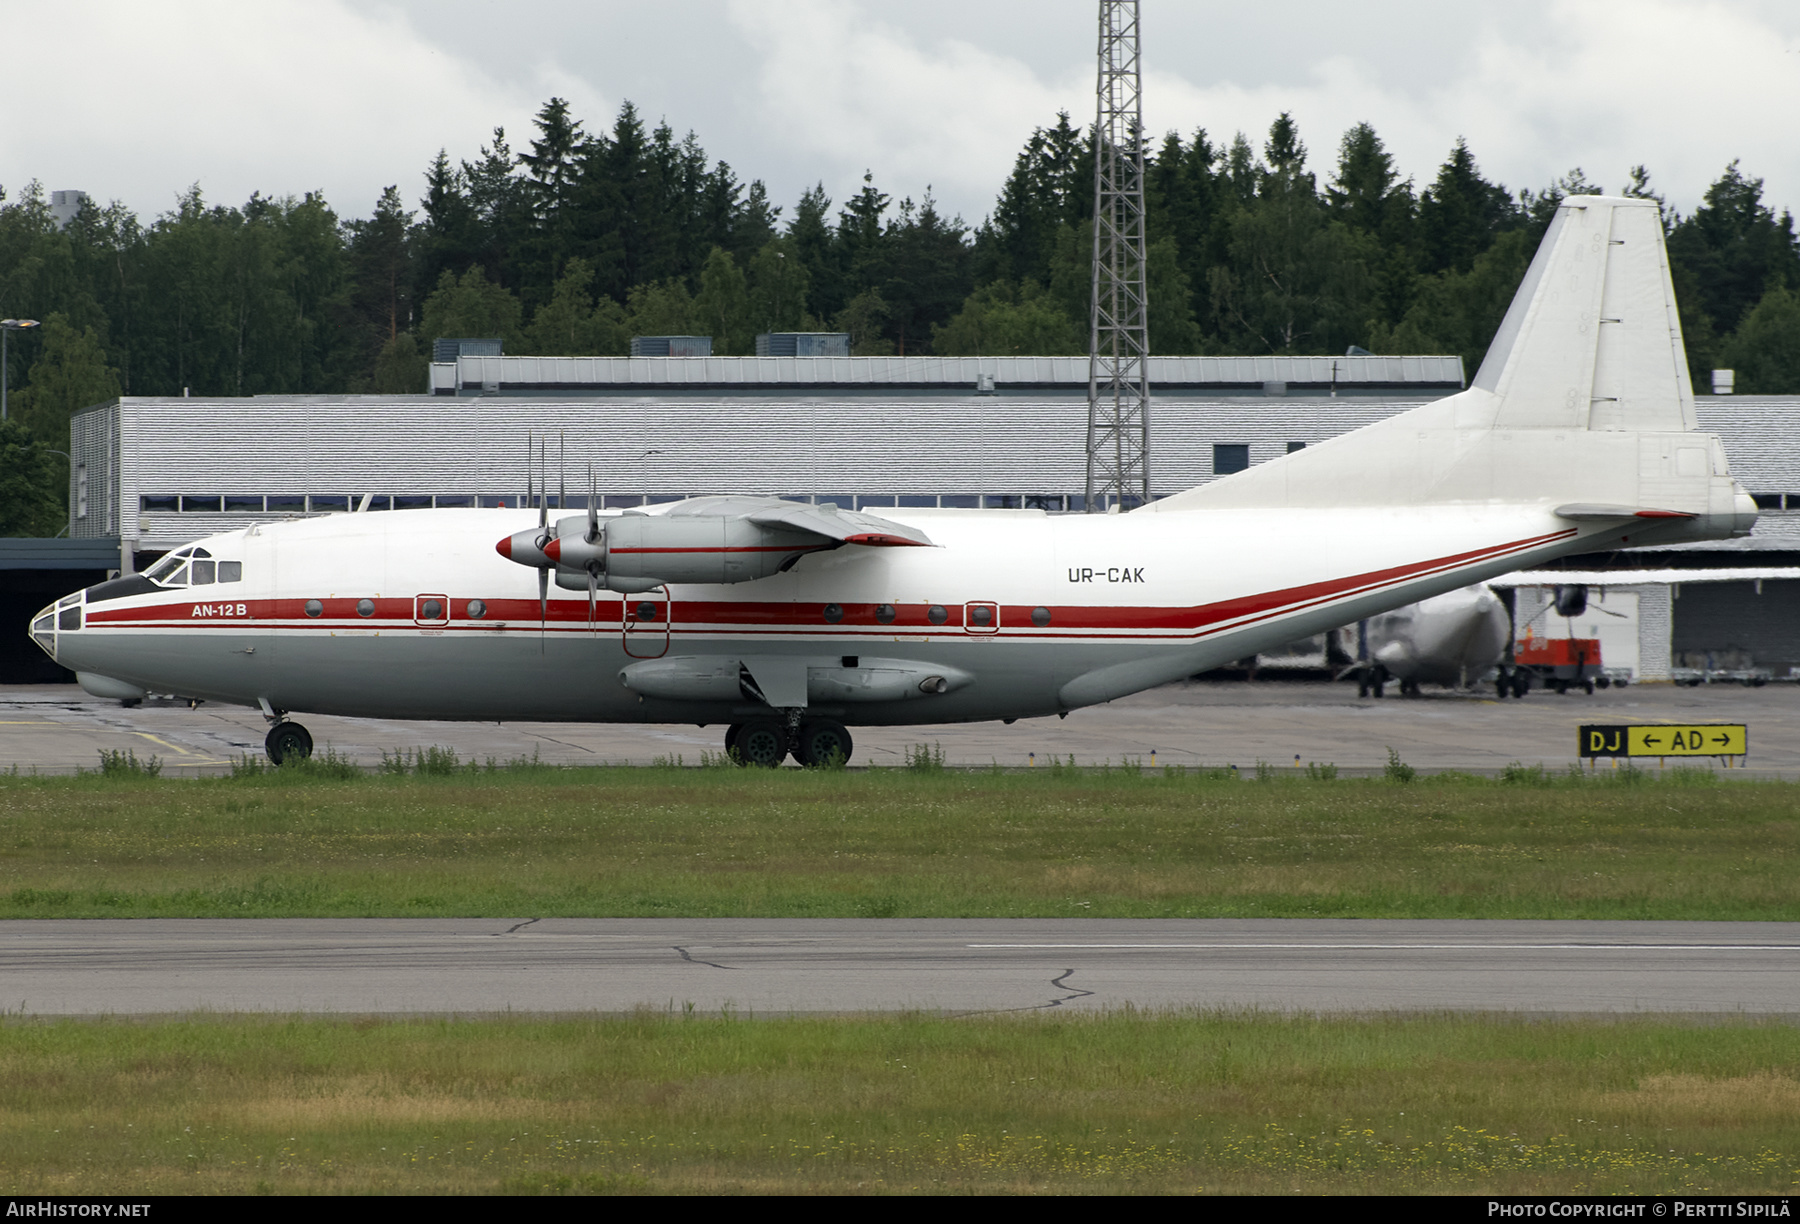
[{"x": 1587, "y": 512}]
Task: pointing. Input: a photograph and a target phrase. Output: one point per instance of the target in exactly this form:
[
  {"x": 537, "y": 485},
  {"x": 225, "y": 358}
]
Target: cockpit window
[
  {"x": 168, "y": 565},
  {"x": 175, "y": 570}
]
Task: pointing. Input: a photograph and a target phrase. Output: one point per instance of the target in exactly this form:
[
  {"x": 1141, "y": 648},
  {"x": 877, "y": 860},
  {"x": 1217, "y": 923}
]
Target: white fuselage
[{"x": 1078, "y": 609}]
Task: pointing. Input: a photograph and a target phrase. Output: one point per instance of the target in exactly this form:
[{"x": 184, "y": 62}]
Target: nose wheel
[{"x": 288, "y": 741}]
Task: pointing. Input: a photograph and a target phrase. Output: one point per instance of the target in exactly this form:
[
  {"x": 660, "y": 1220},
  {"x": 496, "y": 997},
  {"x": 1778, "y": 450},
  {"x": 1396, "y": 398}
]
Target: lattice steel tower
[{"x": 1118, "y": 442}]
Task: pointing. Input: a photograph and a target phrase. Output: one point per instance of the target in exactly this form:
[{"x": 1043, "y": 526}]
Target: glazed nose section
[
  {"x": 43, "y": 630},
  {"x": 63, "y": 616}
]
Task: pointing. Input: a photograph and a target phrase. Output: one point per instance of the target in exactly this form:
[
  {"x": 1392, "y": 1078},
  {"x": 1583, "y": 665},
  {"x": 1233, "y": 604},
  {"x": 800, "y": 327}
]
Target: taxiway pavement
[{"x": 59, "y": 728}]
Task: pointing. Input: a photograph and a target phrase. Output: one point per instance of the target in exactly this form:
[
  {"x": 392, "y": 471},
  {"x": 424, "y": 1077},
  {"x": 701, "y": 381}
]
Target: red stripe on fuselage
[{"x": 753, "y": 616}]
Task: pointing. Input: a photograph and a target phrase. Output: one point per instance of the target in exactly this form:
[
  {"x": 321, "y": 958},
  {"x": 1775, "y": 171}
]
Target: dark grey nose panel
[{"x": 119, "y": 588}]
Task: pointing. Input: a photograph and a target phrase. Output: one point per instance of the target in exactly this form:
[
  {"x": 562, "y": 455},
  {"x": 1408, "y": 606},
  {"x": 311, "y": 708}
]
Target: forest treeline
[{"x": 585, "y": 238}]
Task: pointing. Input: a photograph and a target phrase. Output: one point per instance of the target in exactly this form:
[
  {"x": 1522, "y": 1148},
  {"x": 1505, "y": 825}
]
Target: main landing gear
[
  {"x": 288, "y": 741},
  {"x": 766, "y": 742}
]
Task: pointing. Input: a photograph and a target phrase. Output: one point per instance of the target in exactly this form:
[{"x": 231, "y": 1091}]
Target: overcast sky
[{"x": 135, "y": 101}]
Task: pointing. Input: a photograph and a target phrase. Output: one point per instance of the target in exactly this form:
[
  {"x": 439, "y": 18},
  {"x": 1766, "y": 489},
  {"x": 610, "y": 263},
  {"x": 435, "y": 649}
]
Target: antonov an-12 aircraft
[{"x": 789, "y": 623}]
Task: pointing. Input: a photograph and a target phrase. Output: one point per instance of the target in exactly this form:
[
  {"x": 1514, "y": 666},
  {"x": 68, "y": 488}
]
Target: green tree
[
  {"x": 722, "y": 307},
  {"x": 1003, "y": 319},
  {"x": 663, "y": 308},
  {"x": 1296, "y": 281},
  {"x": 1734, "y": 250},
  {"x": 778, "y": 287},
  {"x": 865, "y": 318},
  {"x": 33, "y": 485},
  {"x": 70, "y": 373},
  {"x": 1764, "y": 352},
  {"x": 1459, "y": 312},
  {"x": 399, "y": 368},
  {"x": 1461, "y": 214},
  {"x": 925, "y": 269},
  {"x": 572, "y": 324},
  {"x": 471, "y": 307}
]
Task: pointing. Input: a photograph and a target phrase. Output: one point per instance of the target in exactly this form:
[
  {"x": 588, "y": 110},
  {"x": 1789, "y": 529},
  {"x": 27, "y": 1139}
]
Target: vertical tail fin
[{"x": 1592, "y": 339}]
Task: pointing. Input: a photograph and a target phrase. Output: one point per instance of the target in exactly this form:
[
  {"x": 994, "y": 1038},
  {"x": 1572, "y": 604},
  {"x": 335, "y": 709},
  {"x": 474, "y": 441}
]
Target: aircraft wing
[
  {"x": 845, "y": 526},
  {"x": 824, "y": 520}
]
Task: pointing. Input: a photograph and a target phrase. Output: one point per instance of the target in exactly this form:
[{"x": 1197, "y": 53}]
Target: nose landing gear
[{"x": 288, "y": 741}]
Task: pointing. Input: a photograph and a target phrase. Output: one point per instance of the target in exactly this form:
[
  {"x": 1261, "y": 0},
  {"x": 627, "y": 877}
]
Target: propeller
[
  {"x": 543, "y": 538},
  {"x": 593, "y": 567}
]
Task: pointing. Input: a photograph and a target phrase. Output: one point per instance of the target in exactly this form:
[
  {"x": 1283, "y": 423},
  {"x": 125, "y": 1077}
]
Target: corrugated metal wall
[
  {"x": 94, "y": 442},
  {"x": 962, "y": 445}
]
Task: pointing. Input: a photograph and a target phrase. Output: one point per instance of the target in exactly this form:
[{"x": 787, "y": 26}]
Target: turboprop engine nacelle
[{"x": 636, "y": 552}]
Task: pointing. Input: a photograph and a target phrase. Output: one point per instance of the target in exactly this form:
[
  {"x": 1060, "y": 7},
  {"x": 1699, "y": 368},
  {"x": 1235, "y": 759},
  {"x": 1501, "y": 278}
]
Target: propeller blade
[
  {"x": 593, "y": 509},
  {"x": 543, "y": 606},
  {"x": 593, "y": 593}
]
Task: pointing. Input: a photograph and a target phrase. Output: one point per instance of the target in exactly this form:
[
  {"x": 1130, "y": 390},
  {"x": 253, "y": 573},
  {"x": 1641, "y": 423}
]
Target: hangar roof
[{"x": 1031, "y": 376}]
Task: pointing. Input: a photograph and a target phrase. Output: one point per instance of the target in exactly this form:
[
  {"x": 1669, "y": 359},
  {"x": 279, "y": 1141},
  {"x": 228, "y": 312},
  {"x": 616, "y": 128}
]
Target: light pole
[{"x": 7, "y": 328}]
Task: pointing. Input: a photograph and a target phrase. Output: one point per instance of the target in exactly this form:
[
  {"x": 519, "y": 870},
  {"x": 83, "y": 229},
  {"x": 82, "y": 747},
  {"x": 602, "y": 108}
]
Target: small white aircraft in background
[{"x": 790, "y": 623}]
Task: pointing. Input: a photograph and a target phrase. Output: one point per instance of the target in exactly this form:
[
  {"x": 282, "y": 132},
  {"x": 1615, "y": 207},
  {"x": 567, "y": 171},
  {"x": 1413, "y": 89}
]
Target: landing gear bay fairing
[{"x": 790, "y": 623}]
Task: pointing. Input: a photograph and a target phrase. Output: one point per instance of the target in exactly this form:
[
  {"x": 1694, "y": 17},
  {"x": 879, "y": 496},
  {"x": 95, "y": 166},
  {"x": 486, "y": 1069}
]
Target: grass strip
[
  {"x": 435, "y": 837},
  {"x": 1059, "y": 1103}
]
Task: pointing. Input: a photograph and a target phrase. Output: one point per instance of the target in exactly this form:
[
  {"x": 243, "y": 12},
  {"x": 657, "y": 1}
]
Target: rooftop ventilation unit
[
  {"x": 671, "y": 346},
  {"x": 803, "y": 344}
]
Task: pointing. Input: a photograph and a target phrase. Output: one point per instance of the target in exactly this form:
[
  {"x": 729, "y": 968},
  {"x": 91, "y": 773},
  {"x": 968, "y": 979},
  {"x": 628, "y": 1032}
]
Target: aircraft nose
[{"x": 43, "y": 628}]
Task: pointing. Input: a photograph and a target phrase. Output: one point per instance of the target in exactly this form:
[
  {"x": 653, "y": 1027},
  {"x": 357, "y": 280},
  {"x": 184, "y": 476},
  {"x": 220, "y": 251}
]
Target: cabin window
[
  {"x": 314, "y": 608},
  {"x": 938, "y": 614},
  {"x": 833, "y": 613},
  {"x": 885, "y": 613},
  {"x": 1040, "y": 617},
  {"x": 69, "y": 618},
  {"x": 477, "y": 609},
  {"x": 231, "y": 571},
  {"x": 431, "y": 610},
  {"x": 365, "y": 607},
  {"x": 204, "y": 573},
  {"x": 980, "y": 614}
]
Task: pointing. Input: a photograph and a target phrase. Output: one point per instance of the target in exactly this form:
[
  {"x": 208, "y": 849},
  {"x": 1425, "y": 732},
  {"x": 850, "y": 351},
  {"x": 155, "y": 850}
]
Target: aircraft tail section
[
  {"x": 1592, "y": 339},
  {"x": 1582, "y": 402}
]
